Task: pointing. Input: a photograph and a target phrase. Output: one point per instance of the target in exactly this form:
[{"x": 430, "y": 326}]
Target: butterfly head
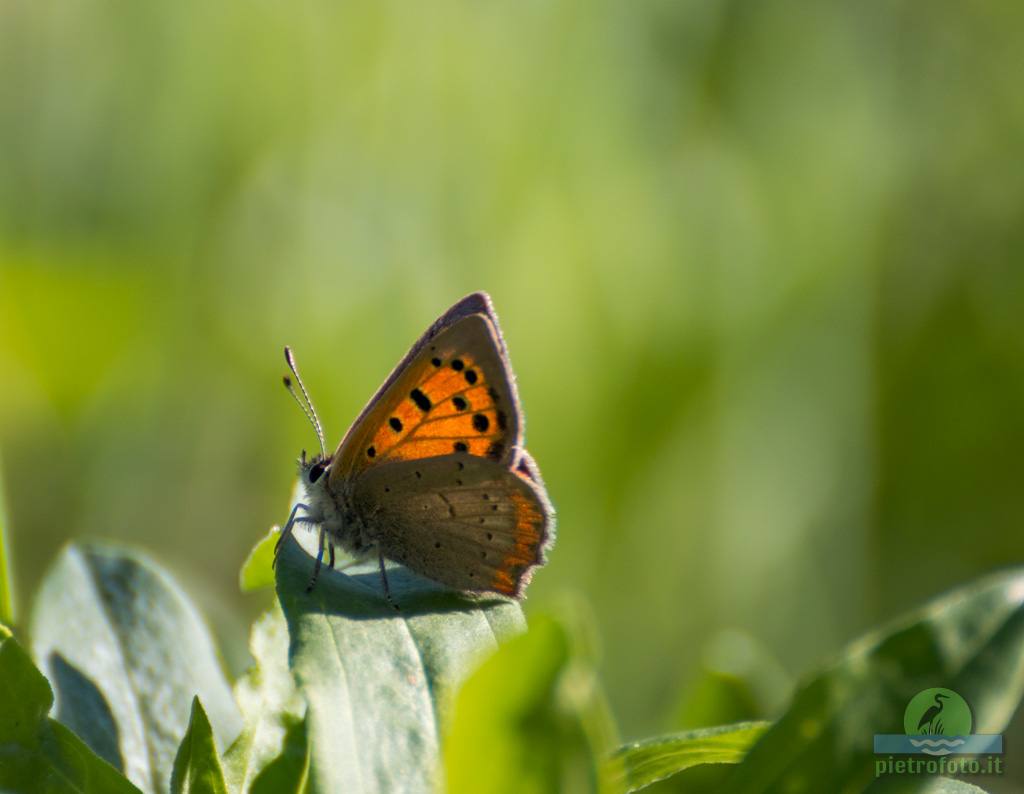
[{"x": 313, "y": 470}]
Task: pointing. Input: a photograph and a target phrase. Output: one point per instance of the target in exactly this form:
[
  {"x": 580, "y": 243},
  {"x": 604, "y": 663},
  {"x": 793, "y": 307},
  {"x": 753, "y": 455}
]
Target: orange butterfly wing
[
  {"x": 476, "y": 524},
  {"x": 453, "y": 392}
]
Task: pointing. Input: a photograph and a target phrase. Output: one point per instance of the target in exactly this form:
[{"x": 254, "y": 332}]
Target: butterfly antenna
[{"x": 307, "y": 406}]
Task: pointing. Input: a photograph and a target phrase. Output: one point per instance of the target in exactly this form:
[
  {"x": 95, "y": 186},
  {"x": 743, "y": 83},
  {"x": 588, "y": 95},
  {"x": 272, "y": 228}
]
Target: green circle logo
[{"x": 937, "y": 712}]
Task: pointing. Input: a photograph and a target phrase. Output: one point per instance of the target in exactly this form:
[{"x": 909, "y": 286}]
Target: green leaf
[
  {"x": 126, "y": 652},
  {"x": 6, "y": 582},
  {"x": 257, "y": 570},
  {"x": 25, "y": 697},
  {"x": 270, "y": 704},
  {"x": 37, "y": 754},
  {"x": 524, "y": 721},
  {"x": 971, "y": 641},
  {"x": 376, "y": 681},
  {"x": 642, "y": 763},
  {"x": 288, "y": 773},
  {"x": 197, "y": 767}
]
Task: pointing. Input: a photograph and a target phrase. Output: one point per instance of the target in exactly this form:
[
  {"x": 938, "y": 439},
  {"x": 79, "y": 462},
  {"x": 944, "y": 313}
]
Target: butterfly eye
[{"x": 315, "y": 471}]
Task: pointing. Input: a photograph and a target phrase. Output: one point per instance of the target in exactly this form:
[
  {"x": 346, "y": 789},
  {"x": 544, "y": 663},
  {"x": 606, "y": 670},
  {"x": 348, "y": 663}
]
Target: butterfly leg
[
  {"x": 319, "y": 560},
  {"x": 287, "y": 530},
  {"x": 330, "y": 548},
  {"x": 384, "y": 579}
]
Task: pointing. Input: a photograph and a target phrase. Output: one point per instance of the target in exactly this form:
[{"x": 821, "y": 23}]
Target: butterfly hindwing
[
  {"x": 467, "y": 522},
  {"x": 452, "y": 393}
]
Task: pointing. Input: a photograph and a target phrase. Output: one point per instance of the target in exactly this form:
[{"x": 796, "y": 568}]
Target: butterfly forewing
[
  {"x": 467, "y": 522},
  {"x": 453, "y": 393}
]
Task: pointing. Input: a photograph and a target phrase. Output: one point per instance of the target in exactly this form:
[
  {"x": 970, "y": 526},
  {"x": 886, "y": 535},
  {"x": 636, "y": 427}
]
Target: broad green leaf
[
  {"x": 257, "y": 570},
  {"x": 126, "y": 652},
  {"x": 643, "y": 763},
  {"x": 269, "y": 701},
  {"x": 197, "y": 767},
  {"x": 6, "y": 583},
  {"x": 378, "y": 681},
  {"x": 523, "y": 721},
  {"x": 971, "y": 641},
  {"x": 38, "y": 755}
]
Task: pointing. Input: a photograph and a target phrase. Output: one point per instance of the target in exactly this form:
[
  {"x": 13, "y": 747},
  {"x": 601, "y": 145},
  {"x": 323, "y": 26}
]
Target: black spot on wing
[{"x": 421, "y": 400}]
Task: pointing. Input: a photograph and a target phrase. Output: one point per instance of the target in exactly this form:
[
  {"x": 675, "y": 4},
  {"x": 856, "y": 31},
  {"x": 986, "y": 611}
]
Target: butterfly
[{"x": 433, "y": 473}]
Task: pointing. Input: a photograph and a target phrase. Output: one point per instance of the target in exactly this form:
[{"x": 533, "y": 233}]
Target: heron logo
[{"x": 938, "y": 722}]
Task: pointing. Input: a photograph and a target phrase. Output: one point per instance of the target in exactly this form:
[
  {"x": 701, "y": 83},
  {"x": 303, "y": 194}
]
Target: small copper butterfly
[{"x": 433, "y": 473}]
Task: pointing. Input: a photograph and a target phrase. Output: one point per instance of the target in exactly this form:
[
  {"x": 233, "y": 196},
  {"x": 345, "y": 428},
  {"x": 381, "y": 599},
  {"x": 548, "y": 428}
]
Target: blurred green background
[{"x": 758, "y": 266}]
